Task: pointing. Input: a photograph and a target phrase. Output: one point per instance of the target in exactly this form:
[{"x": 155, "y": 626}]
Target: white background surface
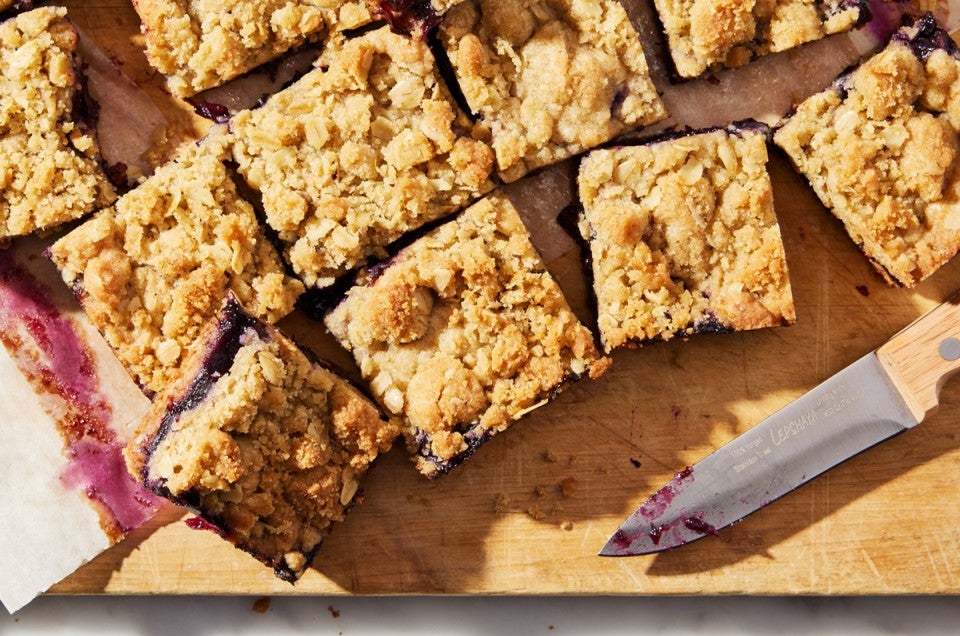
[{"x": 423, "y": 616}]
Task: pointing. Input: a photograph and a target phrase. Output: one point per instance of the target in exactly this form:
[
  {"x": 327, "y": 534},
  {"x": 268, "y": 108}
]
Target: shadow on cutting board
[{"x": 542, "y": 498}]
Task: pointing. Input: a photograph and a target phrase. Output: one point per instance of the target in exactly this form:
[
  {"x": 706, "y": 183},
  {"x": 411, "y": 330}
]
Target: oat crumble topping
[
  {"x": 154, "y": 268},
  {"x": 549, "y": 78},
  {"x": 683, "y": 238},
  {"x": 49, "y": 163}
]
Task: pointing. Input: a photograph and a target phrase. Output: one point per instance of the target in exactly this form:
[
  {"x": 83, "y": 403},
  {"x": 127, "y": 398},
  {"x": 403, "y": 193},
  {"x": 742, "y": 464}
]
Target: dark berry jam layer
[
  {"x": 473, "y": 435},
  {"x": 408, "y": 17},
  {"x": 928, "y": 37},
  {"x": 233, "y": 323}
]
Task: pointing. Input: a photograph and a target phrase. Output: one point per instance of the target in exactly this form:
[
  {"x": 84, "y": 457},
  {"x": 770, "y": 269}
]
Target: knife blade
[{"x": 884, "y": 393}]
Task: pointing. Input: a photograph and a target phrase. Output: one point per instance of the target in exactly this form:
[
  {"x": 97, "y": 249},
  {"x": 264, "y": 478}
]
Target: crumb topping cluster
[
  {"x": 463, "y": 332},
  {"x": 199, "y": 44},
  {"x": 361, "y": 150},
  {"x": 683, "y": 238},
  {"x": 880, "y": 150},
  {"x": 153, "y": 269},
  {"x": 49, "y": 163},
  {"x": 549, "y": 78}
]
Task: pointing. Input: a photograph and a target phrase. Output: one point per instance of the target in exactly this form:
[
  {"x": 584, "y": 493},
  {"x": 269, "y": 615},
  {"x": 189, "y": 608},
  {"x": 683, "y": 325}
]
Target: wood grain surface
[{"x": 529, "y": 512}]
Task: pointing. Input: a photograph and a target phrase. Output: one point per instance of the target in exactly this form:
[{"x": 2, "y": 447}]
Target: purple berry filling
[
  {"x": 710, "y": 324},
  {"x": 408, "y": 17},
  {"x": 473, "y": 436},
  {"x": 929, "y": 37},
  {"x": 828, "y": 8},
  {"x": 233, "y": 323},
  {"x": 216, "y": 113}
]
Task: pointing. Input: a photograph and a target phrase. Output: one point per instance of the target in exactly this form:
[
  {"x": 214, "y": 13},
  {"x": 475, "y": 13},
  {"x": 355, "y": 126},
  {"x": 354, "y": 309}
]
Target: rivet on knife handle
[{"x": 919, "y": 360}]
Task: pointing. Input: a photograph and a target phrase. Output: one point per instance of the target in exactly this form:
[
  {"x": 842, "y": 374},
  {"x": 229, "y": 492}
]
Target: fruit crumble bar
[
  {"x": 152, "y": 270},
  {"x": 359, "y": 151},
  {"x": 462, "y": 333},
  {"x": 683, "y": 238},
  {"x": 199, "y": 44},
  {"x": 709, "y": 35},
  {"x": 50, "y": 170},
  {"x": 550, "y": 78},
  {"x": 879, "y": 148},
  {"x": 266, "y": 445}
]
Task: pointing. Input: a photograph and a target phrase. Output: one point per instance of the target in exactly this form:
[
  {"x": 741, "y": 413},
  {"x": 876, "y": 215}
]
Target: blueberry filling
[
  {"x": 216, "y": 113},
  {"x": 233, "y": 323},
  {"x": 473, "y": 436},
  {"x": 710, "y": 324},
  {"x": 408, "y": 17},
  {"x": 929, "y": 37},
  {"x": 829, "y": 8}
]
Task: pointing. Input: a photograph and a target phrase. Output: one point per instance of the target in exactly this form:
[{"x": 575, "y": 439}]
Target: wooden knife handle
[{"x": 921, "y": 357}]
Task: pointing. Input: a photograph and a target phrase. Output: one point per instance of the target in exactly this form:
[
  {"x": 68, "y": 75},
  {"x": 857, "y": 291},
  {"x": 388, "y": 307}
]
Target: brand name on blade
[
  {"x": 828, "y": 405},
  {"x": 793, "y": 427}
]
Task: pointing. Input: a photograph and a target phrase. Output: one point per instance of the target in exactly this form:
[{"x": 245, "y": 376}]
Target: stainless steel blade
[{"x": 846, "y": 414}]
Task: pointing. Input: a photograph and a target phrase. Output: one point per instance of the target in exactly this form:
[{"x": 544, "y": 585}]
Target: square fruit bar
[
  {"x": 549, "y": 78},
  {"x": 683, "y": 238},
  {"x": 880, "y": 149},
  {"x": 50, "y": 170},
  {"x": 152, "y": 270},
  {"x": 463, "y": 332},
  {"x": 199, "y": 44},
  {"x": 709, "y": 35},
  {"x": 361, "y": 150},
  {"x": 267, "y": 446}
]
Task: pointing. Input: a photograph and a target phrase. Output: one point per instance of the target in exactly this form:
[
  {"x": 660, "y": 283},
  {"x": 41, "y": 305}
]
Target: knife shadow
[
  {"x": 811, "y": 504},
  {"x": 562, "y": 479}
]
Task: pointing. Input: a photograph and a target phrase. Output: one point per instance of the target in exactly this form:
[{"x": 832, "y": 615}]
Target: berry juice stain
[
  {"x": 55, "y": 360},
  {"x": 700, "y": 526},
  {"x": 657, "y": 505}
]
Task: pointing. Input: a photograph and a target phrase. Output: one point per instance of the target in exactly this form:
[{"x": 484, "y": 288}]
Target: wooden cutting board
[{"x": 529, "y": 512}]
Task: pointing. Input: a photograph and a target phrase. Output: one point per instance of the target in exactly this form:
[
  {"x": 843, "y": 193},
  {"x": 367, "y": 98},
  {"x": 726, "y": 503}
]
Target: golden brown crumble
[
  {"x": 550, "y": 78},
  {"x": 464, "y": 327},
  {"x": 199, "y": 44},
  {"x": 882, "y": 157},
  {"x": 708, "y": 35},
  {"x": 442, "y": 6},
  {"x": 153, "y": 269},
  {"x": 358, "y": 152},
  {"x": 683, "y": 238},
  {"x": 272, "y": 455},
  {"x": 49, "y": 165}
]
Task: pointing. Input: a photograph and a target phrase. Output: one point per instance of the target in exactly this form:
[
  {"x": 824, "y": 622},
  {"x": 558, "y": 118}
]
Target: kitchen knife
[{"x": 882, "y": 394}]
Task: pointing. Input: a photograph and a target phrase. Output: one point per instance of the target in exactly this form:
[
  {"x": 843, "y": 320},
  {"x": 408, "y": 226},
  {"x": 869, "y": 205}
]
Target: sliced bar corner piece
[
  {"x": 880, "y": 149},
  {"x": 462, "y": 333},
  {"x": 363, "y": 149},
  {"x": 266, "y": 445},
  {"x": 710, "y": 35},
  {"x": 50, "y": 164},
  {"x": 200, "y": 44},
  {"x": 683, "y": 237},
  {"x": 549, "y": 78}
]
